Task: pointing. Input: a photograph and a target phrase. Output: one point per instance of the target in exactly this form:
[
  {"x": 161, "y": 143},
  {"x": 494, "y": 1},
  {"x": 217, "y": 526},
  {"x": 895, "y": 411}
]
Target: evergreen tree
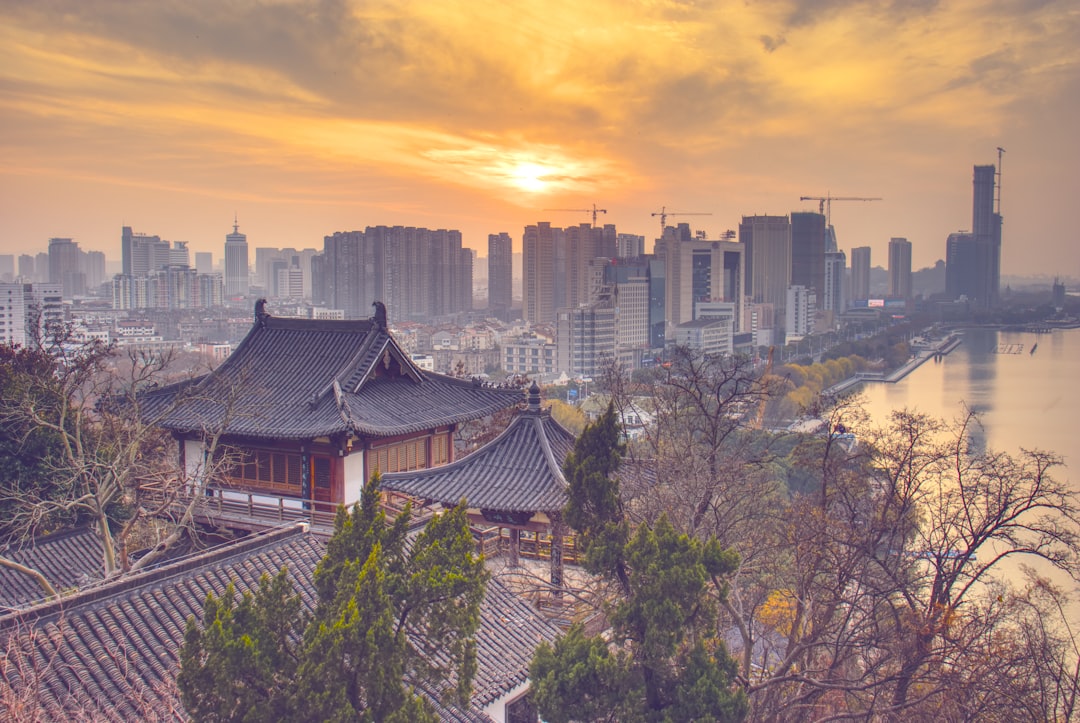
[
  {"x": 593, "y": 507},
  {"x": 379, "y": 599},
  {"x": 661, "y": 659}
]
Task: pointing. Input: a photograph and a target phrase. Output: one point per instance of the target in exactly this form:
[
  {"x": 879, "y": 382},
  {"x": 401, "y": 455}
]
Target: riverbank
[{"x": 924, "y": 354}]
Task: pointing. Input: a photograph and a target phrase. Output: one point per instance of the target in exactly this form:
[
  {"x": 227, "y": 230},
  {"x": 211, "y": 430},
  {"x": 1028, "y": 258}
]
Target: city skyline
[{"x": 302, "y": 119}]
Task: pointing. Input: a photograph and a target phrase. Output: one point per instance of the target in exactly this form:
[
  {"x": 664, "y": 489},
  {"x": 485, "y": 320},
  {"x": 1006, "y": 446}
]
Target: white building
[
  {"x": 800, "y": 312},
  {"x": 709, "y": 336}
]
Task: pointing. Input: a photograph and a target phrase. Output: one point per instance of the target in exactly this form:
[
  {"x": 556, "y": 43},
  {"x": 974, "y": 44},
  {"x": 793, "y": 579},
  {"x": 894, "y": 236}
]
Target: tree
[
  {"x": 887, "y": 605},
  {"x": 662, "y": 659},
  {"x": 389, "y": 615},
  {"x": 91, "y": 411}
]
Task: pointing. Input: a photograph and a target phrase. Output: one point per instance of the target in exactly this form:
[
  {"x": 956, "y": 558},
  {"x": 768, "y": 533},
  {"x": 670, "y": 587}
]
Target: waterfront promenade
[{"x": 921, "y": 356}]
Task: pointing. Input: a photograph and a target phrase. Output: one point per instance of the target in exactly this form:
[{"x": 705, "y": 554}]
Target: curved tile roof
[
  {"x": 67, "y": 560},
  {"x": 113, "y": 650},
  {"x": 518, "y": 471},
  {"x": 303, "y": 378}
]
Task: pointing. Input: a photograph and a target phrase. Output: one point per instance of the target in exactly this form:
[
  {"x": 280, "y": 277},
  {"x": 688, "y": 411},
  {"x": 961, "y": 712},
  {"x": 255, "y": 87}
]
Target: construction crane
[
  {"x": 594, "y": 210},
  {"x": 825, "y": 203},
  {"x": 663, "y": 213}
]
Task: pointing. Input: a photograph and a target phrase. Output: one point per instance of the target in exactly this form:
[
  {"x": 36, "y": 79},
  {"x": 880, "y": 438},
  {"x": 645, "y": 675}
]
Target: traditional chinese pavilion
[
  {"x": 514, "y": 482},
  {"x": 316, "y": 406}
]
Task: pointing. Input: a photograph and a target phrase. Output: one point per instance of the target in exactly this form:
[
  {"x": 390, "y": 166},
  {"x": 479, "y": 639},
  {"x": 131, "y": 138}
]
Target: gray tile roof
[
  {"x": 303, "y": 378},
  {"x": 67, "y": 560},
  {"x": 518, "y": 471},
  {"x": 113, "y": 650}
]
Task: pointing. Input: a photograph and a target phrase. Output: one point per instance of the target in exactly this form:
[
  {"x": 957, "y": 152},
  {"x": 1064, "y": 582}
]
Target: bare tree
[
  {"x": 109, "y": 460},
  {"x": 887, "y": 600}
]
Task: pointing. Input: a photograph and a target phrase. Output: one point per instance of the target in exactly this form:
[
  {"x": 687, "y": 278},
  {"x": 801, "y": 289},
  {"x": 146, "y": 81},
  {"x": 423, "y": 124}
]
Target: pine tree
[
  {"x": 661, "y": 660},
  {"x": 384, "y": 606}
]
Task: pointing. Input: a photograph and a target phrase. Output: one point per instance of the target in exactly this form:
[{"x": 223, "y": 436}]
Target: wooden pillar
[
  {"x": 556, "y": 532},
  {"x": 515, "y": 543}
]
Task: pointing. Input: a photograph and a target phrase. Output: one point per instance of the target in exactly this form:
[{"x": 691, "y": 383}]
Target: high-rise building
[
  {"x": 701, "y": 270},
  {"x": 768, "y": 258},
  {"x": 204, "y": 262},
  {"x": 142, "y": 254},
  {"x": 7, "y": 268},
  {"x": 973, "y": 260},
  {"x": 801, "y": 311},
  {"x": 585, "y": 339},
  {"x": 629, "y": 245},
  {"x": 12, "y": 314},
  {"x": 538, "y": 268},
  {"x": 93, "y": 267},
  {"x": 808, "y": 251},
  {"x": 236, "y": 263},
  {"x": 899, "y": 268},
  {"x": 65, "y": 266},
  {"x": 349, "y": 267},
  {"x": 26, "y": 268},
  {"x": 860, "y": 273},
  {"x": 835, "y": 299},
  {"x": 500, "y": 274}
]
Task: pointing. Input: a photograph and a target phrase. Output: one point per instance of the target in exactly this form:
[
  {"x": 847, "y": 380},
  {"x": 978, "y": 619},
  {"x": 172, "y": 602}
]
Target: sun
[{"x": 531, "y": 177}]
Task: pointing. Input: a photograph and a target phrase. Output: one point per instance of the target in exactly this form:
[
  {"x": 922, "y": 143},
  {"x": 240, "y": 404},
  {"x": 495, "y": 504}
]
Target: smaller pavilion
[{"x": 514, "y": 482}]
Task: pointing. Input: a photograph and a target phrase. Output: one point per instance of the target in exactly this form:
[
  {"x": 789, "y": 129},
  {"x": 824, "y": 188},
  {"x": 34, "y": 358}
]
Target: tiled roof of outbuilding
[
  {"x": 67, "y": 560},
  {"x": 303, "y": 378},
  {"x": 518, "y": 471},
  {"x": 113, "y": 650}
]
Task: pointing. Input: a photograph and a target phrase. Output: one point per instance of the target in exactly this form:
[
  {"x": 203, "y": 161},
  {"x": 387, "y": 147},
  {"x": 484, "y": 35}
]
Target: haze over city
[{"x": 305, "y": 118}]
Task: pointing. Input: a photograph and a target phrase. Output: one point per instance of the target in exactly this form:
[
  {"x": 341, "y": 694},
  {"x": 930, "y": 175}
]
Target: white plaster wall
[
  {"x": 354, "y": 477},
  {"x": 193, "y": 458}
]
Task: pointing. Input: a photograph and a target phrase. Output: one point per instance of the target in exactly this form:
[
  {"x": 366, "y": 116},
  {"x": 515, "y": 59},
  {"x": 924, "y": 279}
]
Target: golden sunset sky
[{"x": 305, "y": 118}]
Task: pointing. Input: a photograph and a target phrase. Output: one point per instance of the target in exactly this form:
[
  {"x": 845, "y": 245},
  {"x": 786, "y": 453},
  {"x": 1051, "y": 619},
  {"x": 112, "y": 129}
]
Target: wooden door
[{"x": 322, "y": 479}]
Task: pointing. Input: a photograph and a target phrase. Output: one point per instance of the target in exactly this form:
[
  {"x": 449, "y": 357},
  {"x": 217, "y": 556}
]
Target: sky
[{"x": 301, "y": 118}]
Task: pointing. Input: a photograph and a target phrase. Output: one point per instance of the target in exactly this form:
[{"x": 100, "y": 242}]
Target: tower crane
[
  {"x": 594, "y": 210},
  {"x": 825, "y": 203},
  {"x": 663, "y": 213}
]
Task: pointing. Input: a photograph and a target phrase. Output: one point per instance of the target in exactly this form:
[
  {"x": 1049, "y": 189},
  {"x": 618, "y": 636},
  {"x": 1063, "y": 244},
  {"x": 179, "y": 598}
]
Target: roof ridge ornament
[
  {"x": 380, "y": 315},
  {"x": 534, "y": 397},
  {"x": 260, "y": 311}
]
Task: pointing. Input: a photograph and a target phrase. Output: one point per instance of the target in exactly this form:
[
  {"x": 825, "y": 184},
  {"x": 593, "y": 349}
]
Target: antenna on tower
[
  {"x": 997, "y": 201},
  {"x": 235, "y": 223}
]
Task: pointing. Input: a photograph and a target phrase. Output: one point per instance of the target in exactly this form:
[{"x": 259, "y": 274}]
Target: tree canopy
[
  {"x": 392, "y": 615},
  {"x": 662, "y": 659}
]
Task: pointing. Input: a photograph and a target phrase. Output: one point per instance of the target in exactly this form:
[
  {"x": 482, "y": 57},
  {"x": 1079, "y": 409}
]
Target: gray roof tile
[
  {"x": 518, "y": 471},
  {"x": 303, "y": 378},
  {"x": 113, "y": 650}
]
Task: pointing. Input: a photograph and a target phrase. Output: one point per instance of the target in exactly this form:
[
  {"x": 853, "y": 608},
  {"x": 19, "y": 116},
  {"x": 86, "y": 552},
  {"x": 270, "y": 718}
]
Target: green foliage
[
  {"x": 663, "y": 661},
  {"x": 27, "y": 467},
  {"x": 378, "y": 598},
  {"x": 237, "y": 665},
  {"x": 581, "y": 679},
  {"x": 593, "y": 505}
]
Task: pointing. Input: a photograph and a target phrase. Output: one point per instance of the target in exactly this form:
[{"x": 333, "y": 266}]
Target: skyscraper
[
  {"x": 986, "y": 226},
  {"x": 808, "y": 251},
  {"x": 702, "y": 270},
  {"x": 538, "y": 269},
  {"x": 835, "y": 299},
  {"x": 973, "y": 260},
  {"x": 860, "y": 273},
  {"x": 767, "y": 240},
  {"x": 236, "y": 263},
  {"x": 65, "y": 262},
  {"x": 899, "y": 268},
  {"x": 500, "y": 274},
  {"x": 142, "y": 254}
]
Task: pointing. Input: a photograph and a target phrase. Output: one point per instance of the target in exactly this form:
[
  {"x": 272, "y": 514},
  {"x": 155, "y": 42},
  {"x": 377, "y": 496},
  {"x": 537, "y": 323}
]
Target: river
[{"x": 1025, "y": 400}]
